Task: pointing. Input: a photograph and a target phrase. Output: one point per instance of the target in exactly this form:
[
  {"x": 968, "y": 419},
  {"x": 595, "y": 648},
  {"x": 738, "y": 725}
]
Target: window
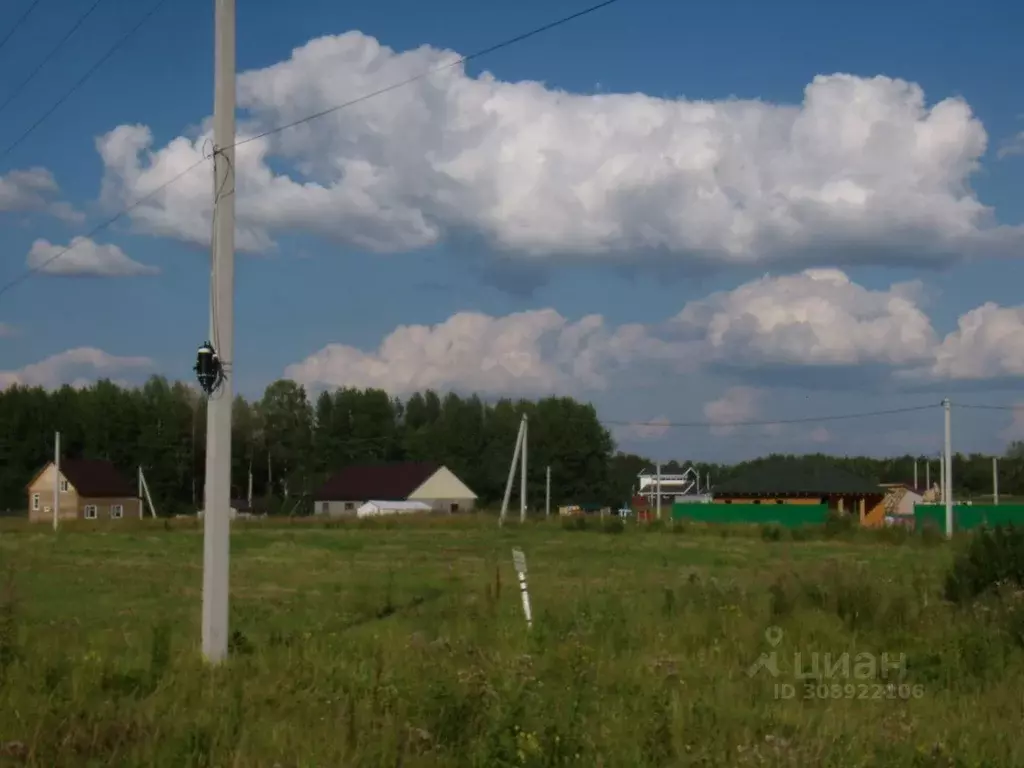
[
  {"x": 349, "y": 506},
  {"x": 117, "y": 511},
  {"x": 453, "y": 507},
  {"x": 89, "y": 511},
  {"x": 325, "y": 507},
  {"x": 63, "y": 486},
  {"x": 35, "y": 502}
]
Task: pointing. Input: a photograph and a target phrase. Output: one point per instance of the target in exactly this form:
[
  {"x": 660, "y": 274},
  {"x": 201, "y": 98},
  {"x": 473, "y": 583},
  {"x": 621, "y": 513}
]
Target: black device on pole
[{"x": 208, "y": 369}]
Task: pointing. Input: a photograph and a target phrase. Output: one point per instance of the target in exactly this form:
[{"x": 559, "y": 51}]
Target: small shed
[{"x": 374, "y": 508}]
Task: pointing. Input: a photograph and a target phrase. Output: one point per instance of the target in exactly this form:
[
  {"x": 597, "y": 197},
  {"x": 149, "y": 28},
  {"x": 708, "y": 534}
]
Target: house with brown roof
[
  {"x": 799, "y": 480},
  {"x": 90, "y": 489},
  {"x": 432, "y": 484}
]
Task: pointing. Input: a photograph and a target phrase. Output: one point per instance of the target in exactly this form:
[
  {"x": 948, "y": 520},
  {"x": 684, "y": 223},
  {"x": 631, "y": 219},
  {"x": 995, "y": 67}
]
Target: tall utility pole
[
  {"x": 520, "y": 440},
  {"x": 56, "y": 480},
  {"x": 522, "y": 478},
  {"x": 547, "y": 493},
  {"x": 657, "y": 489},
  {"x": 947, "y": 458},
  {"x": 217, "y": 502},
  {"x": 995, "y": 481}
]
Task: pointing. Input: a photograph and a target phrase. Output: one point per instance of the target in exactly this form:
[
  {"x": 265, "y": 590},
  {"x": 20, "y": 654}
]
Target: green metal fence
[
  {"x": 969, "y": 516},
  {"x": 788, "y": 515}
]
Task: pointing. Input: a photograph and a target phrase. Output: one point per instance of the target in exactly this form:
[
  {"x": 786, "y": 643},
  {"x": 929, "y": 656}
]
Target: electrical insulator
[{"x": 208, "y": 369}]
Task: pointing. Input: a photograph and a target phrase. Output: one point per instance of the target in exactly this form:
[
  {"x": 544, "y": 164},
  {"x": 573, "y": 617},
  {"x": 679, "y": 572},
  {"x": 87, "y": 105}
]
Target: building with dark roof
[
  {"x": 801, "y": 481},
  {"x": 90, "y": 489},
  {"x": 433, "y": 484}
]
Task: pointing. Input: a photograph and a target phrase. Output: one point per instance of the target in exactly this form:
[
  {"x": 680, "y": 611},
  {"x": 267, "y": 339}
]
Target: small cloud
[
  {"x": 737, "y": 404},
  {"x": 66, "y": 212},
  {"x": 655, "y": 429},
  {"x": 61, "y": 368},
  {"x": 1012, "y": 146},
  {"x": 1015, "y": 430},
  {"x": 7, "y": 330},
  {"x": 83, "y": 256},
  {"x": 820, "y": 435}
]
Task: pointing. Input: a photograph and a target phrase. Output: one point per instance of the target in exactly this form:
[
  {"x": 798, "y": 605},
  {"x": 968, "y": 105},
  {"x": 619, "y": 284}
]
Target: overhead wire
[
  {"x": 53, "y": 52},
  {"x": 365, "y": 97},
  {"x": 769, "y": 422},
  {"x": 432, "y": 71},
  {"x": 84, "y": 78},
  {"x": 18, "y": 23}
]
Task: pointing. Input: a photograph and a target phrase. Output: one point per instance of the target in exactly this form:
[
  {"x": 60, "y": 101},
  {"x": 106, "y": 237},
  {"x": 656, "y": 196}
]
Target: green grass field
[{"x": 406, "y": 646}]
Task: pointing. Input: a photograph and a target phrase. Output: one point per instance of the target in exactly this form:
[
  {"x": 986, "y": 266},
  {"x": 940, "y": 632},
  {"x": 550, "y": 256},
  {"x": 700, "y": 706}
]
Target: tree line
[{"x": 289, "y": 444}]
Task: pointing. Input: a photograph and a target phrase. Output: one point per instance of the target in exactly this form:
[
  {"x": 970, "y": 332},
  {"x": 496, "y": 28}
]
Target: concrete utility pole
[
  {"x": 915, "y": 475},
  {"x": 995, "y": 481},
  {"x": 657, "y": 490},
  {"x": 928, "y": 474},
  {"x": 217, "y": 502},
  {"x": 522, "y": 478},
  {"x": 948, "y": 459},
  {"x": 942, "y": 477},
  {"x": 512, "y": 472},
  {"x": 56, "y": 480},
  {"x": 547, "y": 493}
]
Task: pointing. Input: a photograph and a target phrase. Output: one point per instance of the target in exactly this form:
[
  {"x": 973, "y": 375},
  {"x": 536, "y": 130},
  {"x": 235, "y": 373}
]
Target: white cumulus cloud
[
  {"x": 863, "y": 168},
  {"x": 988, "y": 343},
  {"x": 66, "y": 368},
  {"x": 83, "y": 256},
  {"x": 534, "y": 352},
  {"x": 816, "y": 317},
  {"x": 33, "y": 189}
]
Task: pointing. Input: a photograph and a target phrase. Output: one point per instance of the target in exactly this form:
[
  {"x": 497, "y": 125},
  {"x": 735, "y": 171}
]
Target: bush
[
  {"x": 772, "y": 532},
  {"x": 574, "y": 523},
  {"x": 994, "y": 559},
  {"x": 839, "y": 524},
  {"x": 613, "y": 525}
]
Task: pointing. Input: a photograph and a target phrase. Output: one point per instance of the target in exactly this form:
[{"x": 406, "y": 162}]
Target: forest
[{"x": 291, "y": 443}]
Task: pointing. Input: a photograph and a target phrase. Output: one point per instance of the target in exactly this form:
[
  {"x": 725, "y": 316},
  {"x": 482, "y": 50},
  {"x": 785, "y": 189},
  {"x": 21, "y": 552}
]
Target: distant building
[
  {"x": 806, "y": 482},
  {"x": 432, "y": 484},
  {"x": 377, "y": 508},
  {"x": 90, "y": 489},
  {"x": 900, "y": 500}
]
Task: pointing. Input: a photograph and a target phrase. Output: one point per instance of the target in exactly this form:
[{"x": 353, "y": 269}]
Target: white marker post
[{"x": 519, "y": 560}]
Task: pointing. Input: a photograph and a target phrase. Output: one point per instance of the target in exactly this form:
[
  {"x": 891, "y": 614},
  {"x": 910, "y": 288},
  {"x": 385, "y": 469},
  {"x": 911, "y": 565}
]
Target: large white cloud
[
  {"x": 817, "y": 317},
  {"x": 84, "y": 257},
  {"x": 814, "y": 318},
  {"x": 862, "y": 169},
  {"x": 67, "y": 368},
  {"x": 535, "y": 352}
]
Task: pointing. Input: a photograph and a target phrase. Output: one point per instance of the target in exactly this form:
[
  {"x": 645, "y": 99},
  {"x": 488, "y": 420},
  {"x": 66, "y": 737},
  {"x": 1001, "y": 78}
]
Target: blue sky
[{"x": 317, "y": 286}]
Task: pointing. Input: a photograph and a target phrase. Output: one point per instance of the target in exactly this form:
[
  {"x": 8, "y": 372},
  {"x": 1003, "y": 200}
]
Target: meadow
[{"x": 403, "y": 643}]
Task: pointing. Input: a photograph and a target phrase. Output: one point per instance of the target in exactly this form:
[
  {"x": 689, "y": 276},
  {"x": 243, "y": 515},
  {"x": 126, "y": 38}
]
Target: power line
[
  {"x": 82, "y": 80},
  {"x": 1018, "y": 408},
  {"x": 53, "y": 52},
  {"x": 103, "y": 225},
  {"x": 279, "y": 129},
  {"x": 433, "y": 71},
  {"x": 18, "y": 23},
  {"x": 768, "y": 423}
]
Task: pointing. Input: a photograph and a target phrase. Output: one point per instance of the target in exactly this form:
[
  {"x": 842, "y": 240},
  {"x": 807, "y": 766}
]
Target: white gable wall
[{"x": 443, "y": 489}]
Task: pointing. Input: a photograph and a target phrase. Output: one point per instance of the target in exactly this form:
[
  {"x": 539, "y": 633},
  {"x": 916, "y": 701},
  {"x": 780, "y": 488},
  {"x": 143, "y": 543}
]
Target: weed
[{"x": 994, "y": 559}]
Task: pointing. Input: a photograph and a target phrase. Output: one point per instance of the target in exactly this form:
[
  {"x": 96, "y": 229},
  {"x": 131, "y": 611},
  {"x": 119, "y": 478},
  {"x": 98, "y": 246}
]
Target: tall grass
[{"x": 404, "y": 645}]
